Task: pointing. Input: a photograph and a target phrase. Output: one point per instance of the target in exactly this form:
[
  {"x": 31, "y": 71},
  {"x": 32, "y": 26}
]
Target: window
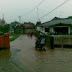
[{"x": 46, "y": 29}]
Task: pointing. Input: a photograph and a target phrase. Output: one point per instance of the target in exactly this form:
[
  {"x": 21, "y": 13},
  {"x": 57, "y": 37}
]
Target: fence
[
  {"x": 63, "y": 41},
  {"x": 50, "y": 42}
]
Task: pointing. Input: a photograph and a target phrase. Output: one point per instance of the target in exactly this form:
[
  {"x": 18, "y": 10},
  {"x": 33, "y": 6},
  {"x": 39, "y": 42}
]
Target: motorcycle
[{"x": 39, "y": 46}]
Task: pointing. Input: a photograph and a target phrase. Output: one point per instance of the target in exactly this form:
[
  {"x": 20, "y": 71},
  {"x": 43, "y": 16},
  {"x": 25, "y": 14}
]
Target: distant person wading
[{"x": 31, "y": 34}]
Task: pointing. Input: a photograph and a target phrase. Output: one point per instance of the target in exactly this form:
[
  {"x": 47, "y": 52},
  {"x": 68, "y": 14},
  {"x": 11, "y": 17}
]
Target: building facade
[{"x": 57, "y": 26}]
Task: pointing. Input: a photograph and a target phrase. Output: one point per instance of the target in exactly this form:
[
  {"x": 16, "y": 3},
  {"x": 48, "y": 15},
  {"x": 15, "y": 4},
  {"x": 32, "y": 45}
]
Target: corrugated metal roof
[{"x": 54, "y": 22}]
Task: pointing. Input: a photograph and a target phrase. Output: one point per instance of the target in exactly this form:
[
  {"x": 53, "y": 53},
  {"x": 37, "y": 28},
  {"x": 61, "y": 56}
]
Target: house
[
  {"x": 29, "y": 28},
  {"x": 19, "y": 29},
  {"x": 23, "y": 28},
  {"x": 28, "y": 25},
  {"x": 2, "y": 22},
  {"x": 13, "y": 28},
  {"x": 57, "y": 26},
  {"x": 14, "y": 23}
]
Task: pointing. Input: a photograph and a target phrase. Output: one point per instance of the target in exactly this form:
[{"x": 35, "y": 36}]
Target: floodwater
[{"x": 22, "y": 57}]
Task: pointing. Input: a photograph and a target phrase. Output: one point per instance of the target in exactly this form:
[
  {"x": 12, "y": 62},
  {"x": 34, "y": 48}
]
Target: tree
[
  {"x": 70, "y": 17},
  {"x": 19, "y": 29},
  {"x": 5, "y": 28},
  {"x": 38, "y": 23}
]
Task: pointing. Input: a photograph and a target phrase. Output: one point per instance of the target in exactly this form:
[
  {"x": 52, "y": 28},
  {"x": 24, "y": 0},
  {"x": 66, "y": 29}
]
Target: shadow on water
[
  {"x": 9, "y": 61},
  {"x": 4, "y": 59},
  {"x": 4, "y": 54}
]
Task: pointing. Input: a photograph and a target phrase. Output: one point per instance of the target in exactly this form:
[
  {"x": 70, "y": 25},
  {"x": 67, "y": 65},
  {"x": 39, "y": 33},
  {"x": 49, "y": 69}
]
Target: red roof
[{"x": 28, "y": 25}]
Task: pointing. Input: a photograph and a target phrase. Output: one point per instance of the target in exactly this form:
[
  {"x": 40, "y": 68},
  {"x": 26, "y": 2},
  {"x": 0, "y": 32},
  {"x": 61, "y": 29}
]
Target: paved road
[{"x": 22, "y": 57}]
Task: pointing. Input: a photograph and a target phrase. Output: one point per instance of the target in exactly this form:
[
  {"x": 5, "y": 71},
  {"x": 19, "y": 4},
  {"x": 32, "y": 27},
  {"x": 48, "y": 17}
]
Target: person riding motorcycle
[{"x": 40, "y": 42}]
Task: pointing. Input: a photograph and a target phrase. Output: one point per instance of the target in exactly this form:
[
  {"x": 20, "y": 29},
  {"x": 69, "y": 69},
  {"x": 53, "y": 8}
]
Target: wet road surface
[{"x": 22, "y": 57}]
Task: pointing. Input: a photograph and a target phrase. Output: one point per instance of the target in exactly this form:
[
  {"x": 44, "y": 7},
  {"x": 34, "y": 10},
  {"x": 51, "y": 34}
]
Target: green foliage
[
  {"x": 38, "y": 23},
  {"x": 70, "y": 17},
  {"x": 5, "y": 47},
  {"x": 14, "y": 37},
  {"x": 19, "y": 29},
  {"x": 50, "y": 33},
  {"x": 5, "y": 28},
  {"x": 71, "y": 33},
  {"x": 16, "y": 22},
  {"x": 36, "y": 33}
]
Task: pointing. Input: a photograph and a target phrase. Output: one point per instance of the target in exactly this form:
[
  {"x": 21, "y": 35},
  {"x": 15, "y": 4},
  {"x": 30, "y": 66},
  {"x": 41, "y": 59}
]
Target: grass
[{"x": 14, "y": 37}]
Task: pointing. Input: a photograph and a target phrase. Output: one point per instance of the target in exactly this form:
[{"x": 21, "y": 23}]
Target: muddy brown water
[{"x": 22, "y": 57}]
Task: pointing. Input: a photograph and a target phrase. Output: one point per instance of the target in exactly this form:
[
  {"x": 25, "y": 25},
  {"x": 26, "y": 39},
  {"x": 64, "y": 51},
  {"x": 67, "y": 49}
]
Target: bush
[
  {"x": 5, "y": 47},
  {"x": 36, "y": 33},
  {"x": 50, "y": 33},
  {"x": 71, "y": 33},
  {"x": 14, "y": 37}
]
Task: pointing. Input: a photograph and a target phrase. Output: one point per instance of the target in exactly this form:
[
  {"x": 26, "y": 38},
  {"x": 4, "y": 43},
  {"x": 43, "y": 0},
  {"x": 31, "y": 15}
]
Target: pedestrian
[{"x": 31, "y": 35}]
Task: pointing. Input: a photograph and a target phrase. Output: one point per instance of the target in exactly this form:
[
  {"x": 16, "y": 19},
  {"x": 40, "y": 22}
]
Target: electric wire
[
  {"x": 54, "y": 9},
  {"x": 34, "y": 7}
]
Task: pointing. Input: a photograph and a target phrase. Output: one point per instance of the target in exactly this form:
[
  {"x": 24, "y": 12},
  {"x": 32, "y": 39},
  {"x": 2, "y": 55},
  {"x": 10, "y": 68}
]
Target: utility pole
[
  {"x": 20, "y": 19},
  {"x": 3, "y": 19},
  {"x": 38, "y": 15},
  {"x": 3, "y": 16}
]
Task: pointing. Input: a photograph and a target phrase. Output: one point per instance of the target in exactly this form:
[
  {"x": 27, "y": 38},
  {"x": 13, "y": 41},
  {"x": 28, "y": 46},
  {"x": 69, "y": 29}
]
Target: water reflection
[
  {"x": 5, "y": 54},
  {"x": 4, "y": 59},
  {"x": 22, "y": 57}
]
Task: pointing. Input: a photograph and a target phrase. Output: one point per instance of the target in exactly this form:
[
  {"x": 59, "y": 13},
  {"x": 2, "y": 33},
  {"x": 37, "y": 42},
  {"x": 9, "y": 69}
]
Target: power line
[
  {"x": 29, "y": 18},
  {"x": 35, "y": 7},
  {"x": 55, "y": 8}
]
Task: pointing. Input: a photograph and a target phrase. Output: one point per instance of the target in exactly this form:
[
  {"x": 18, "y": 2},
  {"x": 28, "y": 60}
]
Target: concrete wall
[
  {"x": 51, "y": 29},
  {"x": 50, "y": 42},
  {"x": 41, "y": 29}
]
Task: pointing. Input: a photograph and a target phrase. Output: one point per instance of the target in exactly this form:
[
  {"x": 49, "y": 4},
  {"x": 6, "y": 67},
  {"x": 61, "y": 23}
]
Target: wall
[
  {"x": 1, "y": 41},
  {"x": 41, "y": 29},
  {"x": 50, "y": 41},
  {"x": 4, "y": 40}
]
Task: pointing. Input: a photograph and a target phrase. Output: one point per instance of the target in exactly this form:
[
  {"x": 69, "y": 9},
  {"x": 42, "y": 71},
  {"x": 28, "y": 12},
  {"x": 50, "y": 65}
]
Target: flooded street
[{"x": 22, "y": 57}]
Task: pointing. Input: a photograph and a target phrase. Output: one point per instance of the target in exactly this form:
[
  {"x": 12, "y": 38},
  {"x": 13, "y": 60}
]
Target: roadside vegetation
[
  {"x": 36, "y": 33},
  {"x": 4, "y": 29},
  {"x": 15, "y": 36}
]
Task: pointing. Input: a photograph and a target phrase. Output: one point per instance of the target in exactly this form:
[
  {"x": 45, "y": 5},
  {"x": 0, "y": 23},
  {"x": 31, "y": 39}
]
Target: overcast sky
[{"x": 12, "y": 9}]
